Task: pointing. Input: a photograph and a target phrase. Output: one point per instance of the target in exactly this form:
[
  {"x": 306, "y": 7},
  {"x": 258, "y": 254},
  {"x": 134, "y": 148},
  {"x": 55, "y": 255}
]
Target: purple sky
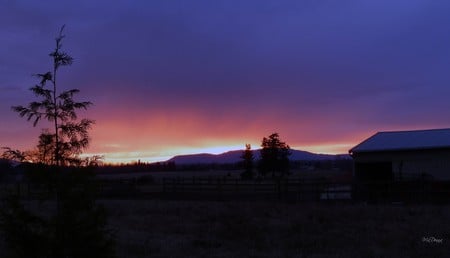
[{"x": 170, "y": 77}]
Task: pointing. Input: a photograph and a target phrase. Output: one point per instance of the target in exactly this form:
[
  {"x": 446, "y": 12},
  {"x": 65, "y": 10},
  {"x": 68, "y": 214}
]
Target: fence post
[
  {"x": 278, "y": 182},
  {"x": 315, "y": 189},
  {"x": 18, "y": 189},
  {"x": 219, "y": 187}
]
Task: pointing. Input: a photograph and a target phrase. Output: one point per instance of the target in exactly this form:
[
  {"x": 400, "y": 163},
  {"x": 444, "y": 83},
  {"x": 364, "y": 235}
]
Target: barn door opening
[{"x": 373, "y": 171}]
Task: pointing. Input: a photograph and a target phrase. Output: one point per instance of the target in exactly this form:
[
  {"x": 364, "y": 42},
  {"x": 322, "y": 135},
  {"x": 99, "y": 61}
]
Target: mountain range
[{"x": 235, "y": 156}]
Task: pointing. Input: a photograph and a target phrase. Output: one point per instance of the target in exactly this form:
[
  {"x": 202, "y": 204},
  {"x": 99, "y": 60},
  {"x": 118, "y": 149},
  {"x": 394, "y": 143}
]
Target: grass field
[
  {"x": 175, "y": 228},
  {"x": 157, "y": 228},
  {"x": 154, "y": 228}
]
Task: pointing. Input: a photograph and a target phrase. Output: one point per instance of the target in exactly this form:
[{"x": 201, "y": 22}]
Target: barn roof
[{"x": 405, "y": 140}]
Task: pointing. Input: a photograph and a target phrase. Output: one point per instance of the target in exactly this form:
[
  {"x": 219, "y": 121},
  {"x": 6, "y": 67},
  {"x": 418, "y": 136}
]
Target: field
[
  {"x": 267, "y": 228},
  {"x": 153, "y": 228},
  {"x": 169, "y": 228}
]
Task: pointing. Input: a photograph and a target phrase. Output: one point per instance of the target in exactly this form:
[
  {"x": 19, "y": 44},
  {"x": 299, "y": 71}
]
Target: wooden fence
[
  {"x": 296, "y": 190},
  {"x": 413, "y": 191},
  {"x": 26, "y": 190},
  {"x": 285, "y": 189}
]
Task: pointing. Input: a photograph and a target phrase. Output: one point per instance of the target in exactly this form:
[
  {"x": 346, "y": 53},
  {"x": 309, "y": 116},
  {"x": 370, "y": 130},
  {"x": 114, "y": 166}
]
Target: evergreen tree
[
  {"x": 247, "y": 160},
  {"x": 70, "y": 136},
  {"x": 78, "y": 225},
  {"x": 274, "y": 156}
]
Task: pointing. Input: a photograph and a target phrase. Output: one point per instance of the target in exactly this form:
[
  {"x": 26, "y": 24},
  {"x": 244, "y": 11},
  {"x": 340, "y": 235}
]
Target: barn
[
  {"x": 403, "y": 154},
  {"x": 411, "y": 166}
]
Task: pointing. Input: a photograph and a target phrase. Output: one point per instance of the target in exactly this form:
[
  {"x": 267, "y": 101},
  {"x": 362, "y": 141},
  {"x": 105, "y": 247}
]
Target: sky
[{"x": 178, "y": 77}]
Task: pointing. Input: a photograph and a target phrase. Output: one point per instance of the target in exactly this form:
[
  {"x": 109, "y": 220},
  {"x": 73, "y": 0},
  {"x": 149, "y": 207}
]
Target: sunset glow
[
  {"x": 341, "y": 148},
  {"x": 162, "y": 155},
  {"x": 174, "y": 77}
]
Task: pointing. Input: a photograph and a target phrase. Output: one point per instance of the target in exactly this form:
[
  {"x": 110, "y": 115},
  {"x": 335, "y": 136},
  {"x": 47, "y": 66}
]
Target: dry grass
[
  {"x": 157, "y": 228},
  {"x": 152, "y": 228}
]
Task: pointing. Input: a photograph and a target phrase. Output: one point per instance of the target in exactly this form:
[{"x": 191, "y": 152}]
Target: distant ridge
[
  {"x": 235, "y": 156},
  {"x": 9, "y": 162}
]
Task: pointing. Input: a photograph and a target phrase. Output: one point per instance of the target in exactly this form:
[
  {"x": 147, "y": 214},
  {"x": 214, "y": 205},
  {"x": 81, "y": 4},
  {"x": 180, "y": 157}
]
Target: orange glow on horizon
[
  {"x": 164, "y": 134},
  {"x": 338, "y": 148},
  {"x": 164, "y": 155}
]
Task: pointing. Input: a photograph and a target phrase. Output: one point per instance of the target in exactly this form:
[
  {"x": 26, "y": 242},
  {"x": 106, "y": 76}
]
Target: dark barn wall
[
  {"x": 432, "y": 163},
  {"x": 370, "y": 171}
]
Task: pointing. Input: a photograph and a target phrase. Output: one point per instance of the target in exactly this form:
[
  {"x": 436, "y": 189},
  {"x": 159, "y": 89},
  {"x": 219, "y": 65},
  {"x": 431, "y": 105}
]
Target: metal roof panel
[{"x": 405, "y": 140}]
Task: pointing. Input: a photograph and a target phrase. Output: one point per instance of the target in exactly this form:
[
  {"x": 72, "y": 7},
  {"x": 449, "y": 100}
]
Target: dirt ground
[{"x": 153, "y": 228}]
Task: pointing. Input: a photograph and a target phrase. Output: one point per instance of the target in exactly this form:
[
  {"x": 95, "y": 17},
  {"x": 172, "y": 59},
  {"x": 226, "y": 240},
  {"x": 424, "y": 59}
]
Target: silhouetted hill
[
  {"x": 235, "y": 156},
  {"x": 8, "y": 162}
]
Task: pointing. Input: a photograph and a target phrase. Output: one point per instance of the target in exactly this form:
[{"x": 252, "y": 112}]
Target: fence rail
[{"x": 318, "y": 189}]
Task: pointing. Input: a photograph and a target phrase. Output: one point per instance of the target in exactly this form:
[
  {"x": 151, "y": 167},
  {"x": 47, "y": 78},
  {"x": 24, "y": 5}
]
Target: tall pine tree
[{"x": 70, "y": 136}]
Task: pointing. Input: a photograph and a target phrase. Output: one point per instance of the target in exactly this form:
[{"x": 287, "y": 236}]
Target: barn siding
[{"x": 435, "y": 163}]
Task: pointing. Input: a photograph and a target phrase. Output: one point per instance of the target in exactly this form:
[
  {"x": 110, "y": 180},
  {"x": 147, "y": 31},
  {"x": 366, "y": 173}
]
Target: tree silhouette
[
  {"x": 46, "y": 147},
  {"x": 70, "y": 136},
  {"x": 78, "y": 225},
  {"x": 17, "y": 155},
  {"x": 274, "y": 156},
  {"x": 247, "y": 160}
]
